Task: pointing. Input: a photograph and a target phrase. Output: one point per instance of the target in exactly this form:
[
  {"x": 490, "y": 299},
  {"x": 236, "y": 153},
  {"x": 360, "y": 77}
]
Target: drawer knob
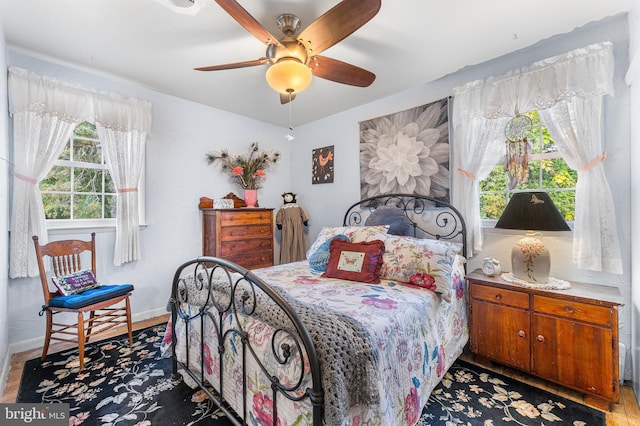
[
  {"x": 498, "y": 297},
  {"x": 540, "y": 338},
  {"x": 569, "y": 309},
  {"x": 591, "y": 389},
  {"x": 262, "y": 231},
  {"x": 521, "y": 333}
]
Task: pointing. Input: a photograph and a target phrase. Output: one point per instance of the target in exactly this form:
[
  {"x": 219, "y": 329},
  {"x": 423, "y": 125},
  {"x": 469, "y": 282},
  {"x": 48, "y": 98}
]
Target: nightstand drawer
[
  {"x": 574, "y": 310},
  {"x": 500, "y": 295}
]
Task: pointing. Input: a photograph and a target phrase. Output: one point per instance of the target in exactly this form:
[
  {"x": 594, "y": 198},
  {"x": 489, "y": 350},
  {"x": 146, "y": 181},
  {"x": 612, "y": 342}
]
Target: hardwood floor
[{"x": 627, "y": 413}]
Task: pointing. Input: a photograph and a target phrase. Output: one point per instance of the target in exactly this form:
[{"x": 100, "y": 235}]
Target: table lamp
[{"x": 531, "y": 211}]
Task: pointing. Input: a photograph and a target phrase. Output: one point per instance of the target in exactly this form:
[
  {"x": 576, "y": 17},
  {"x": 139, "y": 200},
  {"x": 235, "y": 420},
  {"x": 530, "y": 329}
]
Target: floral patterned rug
[
  {"x": 471, "y": 395},
  {"x": 132, "y": 385}
]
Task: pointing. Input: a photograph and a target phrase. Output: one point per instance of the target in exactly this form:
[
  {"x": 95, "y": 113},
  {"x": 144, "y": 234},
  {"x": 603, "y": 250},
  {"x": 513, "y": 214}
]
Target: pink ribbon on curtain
[
  {"x": 25, "y": 178},
  {"x": 467, "y": 173},
  {"x": 128, "y": 190},
  {"x": 599, "y": 159}
]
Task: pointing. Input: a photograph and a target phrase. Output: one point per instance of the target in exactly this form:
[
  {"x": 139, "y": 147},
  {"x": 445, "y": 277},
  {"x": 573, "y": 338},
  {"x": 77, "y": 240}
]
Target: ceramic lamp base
[{"x": 530, "y": 260}]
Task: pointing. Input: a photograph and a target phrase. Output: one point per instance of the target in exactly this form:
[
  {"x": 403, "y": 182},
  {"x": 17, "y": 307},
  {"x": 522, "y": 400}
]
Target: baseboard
[{"x": 26, "y": 345}]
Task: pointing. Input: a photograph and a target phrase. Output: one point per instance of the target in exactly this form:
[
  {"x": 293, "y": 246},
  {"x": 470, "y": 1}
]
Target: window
[
  {"x": 547, "y": 172},
  {"x": 79, "y": 186}
]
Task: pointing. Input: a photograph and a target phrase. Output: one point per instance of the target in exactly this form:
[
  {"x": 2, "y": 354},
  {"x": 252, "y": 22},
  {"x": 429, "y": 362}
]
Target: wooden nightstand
[
  {"x": 565, "y": 336},
  {"x": 243, "y": 235}
]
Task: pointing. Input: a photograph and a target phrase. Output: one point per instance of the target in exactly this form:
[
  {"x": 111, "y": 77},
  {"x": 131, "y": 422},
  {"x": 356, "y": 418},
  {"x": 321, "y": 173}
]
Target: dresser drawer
[
  {"x": 500, "y": 295},
  {"x": 245, "y": 246},
  {"x": 233, "y": 233},
  {"x": 233, "y": 218},
  {"x": 254, "y": 260},
  {"x": 574, "y": 310}
]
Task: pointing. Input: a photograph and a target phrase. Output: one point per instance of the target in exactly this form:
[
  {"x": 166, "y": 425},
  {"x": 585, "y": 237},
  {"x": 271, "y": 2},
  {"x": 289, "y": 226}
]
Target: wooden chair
[{"x": 99, "y": 302}]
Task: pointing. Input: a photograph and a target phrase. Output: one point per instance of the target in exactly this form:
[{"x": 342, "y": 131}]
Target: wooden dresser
[
  {"x": 569, "y": 337},
  {"x": 242, "y": 235}
]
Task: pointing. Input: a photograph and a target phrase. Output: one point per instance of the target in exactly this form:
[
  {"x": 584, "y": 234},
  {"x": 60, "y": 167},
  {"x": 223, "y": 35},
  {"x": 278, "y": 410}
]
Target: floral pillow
[
  {"x": 75, "y": 283},
  {"x": 355, "y": 261},
  {"x": 355, "y": 234},
  {"x": 422, "y": 262}
]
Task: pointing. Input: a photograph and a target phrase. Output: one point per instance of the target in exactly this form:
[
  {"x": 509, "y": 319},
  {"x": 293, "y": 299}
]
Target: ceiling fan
[{"x": 293, "y": 59}]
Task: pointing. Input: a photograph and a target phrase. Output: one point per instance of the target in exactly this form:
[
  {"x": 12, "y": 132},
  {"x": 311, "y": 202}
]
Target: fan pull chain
[{"x": 290, "y": 136}]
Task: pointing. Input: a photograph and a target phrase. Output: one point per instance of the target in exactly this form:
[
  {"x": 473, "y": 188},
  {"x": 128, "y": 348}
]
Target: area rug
[{"x": 132, "y": 385}]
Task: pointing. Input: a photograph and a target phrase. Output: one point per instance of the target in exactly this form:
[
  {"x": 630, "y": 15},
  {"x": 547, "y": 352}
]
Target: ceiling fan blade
[
  {"x": 243, "y": 64},
  {"x": 285, "y": 98},
  {"x": 338, "y": 23},
  {"x": 340, "y": 72},
  {"x": 249, "y": 23}
]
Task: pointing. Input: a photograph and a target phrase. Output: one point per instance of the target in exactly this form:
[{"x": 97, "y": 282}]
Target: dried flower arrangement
[{"x": 249, "y": 170}]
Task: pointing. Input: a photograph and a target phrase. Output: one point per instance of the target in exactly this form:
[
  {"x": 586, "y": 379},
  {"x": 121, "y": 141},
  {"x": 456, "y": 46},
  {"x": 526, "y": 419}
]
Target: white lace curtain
[
  {"x": 568, "y": 92},
  {"x": 45, "y": 113},
  {"x": 122, "y": 128}
]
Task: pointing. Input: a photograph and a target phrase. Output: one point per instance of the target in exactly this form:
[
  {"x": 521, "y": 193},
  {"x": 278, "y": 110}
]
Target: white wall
[
  {"x": 326, "y": 203},
  {"x": 633, "y": 77},
  {"x": 4, "y": 203},
  {"x": 177, "y": 175}
]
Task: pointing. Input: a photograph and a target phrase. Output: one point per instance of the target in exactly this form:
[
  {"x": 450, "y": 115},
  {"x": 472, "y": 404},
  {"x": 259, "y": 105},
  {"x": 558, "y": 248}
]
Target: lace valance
[
  {"x": 31, "y": 92},
  {"x": 584, "y": 72}
]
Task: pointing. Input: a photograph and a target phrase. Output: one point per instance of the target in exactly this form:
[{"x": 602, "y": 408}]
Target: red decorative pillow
[{"x": 355, "y": 261}]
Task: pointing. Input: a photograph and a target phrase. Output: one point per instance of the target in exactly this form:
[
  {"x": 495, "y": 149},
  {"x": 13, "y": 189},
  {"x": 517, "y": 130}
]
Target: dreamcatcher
[{"x": 518, "y": 149}]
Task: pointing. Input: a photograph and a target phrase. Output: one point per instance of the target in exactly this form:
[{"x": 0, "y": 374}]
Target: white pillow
[{"x": 356, "y": 234}]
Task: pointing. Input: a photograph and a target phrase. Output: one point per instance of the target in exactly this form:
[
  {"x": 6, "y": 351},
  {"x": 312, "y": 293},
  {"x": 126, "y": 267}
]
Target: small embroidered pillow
[
  {"x": 355, "y": 261},
  {"x": 75, "y": 283}
]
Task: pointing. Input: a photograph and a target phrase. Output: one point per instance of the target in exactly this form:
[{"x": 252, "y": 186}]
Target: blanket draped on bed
[{"x": 348, "y": 357}]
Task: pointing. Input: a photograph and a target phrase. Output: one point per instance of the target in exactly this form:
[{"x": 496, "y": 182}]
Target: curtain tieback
[
  {"x": 25, "y": 178},
  {"x": 467, "y": 173},
  {"x": 599, "y": 159},
  {"x": 128, "y": 190}
]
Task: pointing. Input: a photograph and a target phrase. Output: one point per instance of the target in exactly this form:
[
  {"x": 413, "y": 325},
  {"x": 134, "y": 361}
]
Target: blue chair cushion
[{"x": 89, "y": 297}]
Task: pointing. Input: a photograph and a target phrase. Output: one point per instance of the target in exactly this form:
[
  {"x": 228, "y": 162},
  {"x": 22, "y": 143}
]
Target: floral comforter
[{"x": 417, "y": 334}]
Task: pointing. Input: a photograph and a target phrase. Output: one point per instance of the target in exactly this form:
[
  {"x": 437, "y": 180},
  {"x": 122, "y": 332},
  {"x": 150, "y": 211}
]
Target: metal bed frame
[{"x": 246, "y": 292}]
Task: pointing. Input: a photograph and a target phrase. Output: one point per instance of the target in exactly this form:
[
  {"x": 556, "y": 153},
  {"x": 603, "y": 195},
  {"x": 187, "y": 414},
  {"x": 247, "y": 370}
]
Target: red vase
[{"x": 251, "y": 197}]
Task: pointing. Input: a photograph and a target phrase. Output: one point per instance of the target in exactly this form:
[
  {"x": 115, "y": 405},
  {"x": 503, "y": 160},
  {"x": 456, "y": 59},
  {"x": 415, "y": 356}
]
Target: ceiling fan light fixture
[{"x": 288, "y": 76}]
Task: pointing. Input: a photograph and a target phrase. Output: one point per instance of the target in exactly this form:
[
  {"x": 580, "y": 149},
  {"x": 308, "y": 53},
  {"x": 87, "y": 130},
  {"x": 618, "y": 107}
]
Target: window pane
[
  {"x": 109, "y": 186},
  {"x": 86, "y": 151},
  {"x": 495, "y": 181},
  {"x": 556, "y": 174},
  {"x": 492, "y": 205},
  {"x": 547, "y": 171},
  {"x": 87, "y": 180},
  {"x": 58, "y": 179},
  {"x": 110, "y": 206},
  {"x": 57, "y": 206},
  {"x": 533, "y": 177},
  {"x": 86, "y": 130},
  {"x": 66, "y": 152},
  {"x": 565, "y": 201},
  {"x": 87, "y": 207}
]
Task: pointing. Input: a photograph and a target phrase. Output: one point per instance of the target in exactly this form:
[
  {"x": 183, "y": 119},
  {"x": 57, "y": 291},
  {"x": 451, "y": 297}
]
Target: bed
[{"x": 359, "y": 333}]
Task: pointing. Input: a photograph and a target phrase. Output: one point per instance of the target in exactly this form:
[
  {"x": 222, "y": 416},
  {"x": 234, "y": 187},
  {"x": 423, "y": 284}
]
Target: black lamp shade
[{"x": 532, "y": 211}]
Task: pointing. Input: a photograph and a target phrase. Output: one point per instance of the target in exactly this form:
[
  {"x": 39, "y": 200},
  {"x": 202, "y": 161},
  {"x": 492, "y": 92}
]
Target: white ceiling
[{"x": 407, "y": 44}]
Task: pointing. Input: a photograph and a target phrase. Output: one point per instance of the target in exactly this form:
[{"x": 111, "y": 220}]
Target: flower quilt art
[{"x": 406, "y": 152}]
